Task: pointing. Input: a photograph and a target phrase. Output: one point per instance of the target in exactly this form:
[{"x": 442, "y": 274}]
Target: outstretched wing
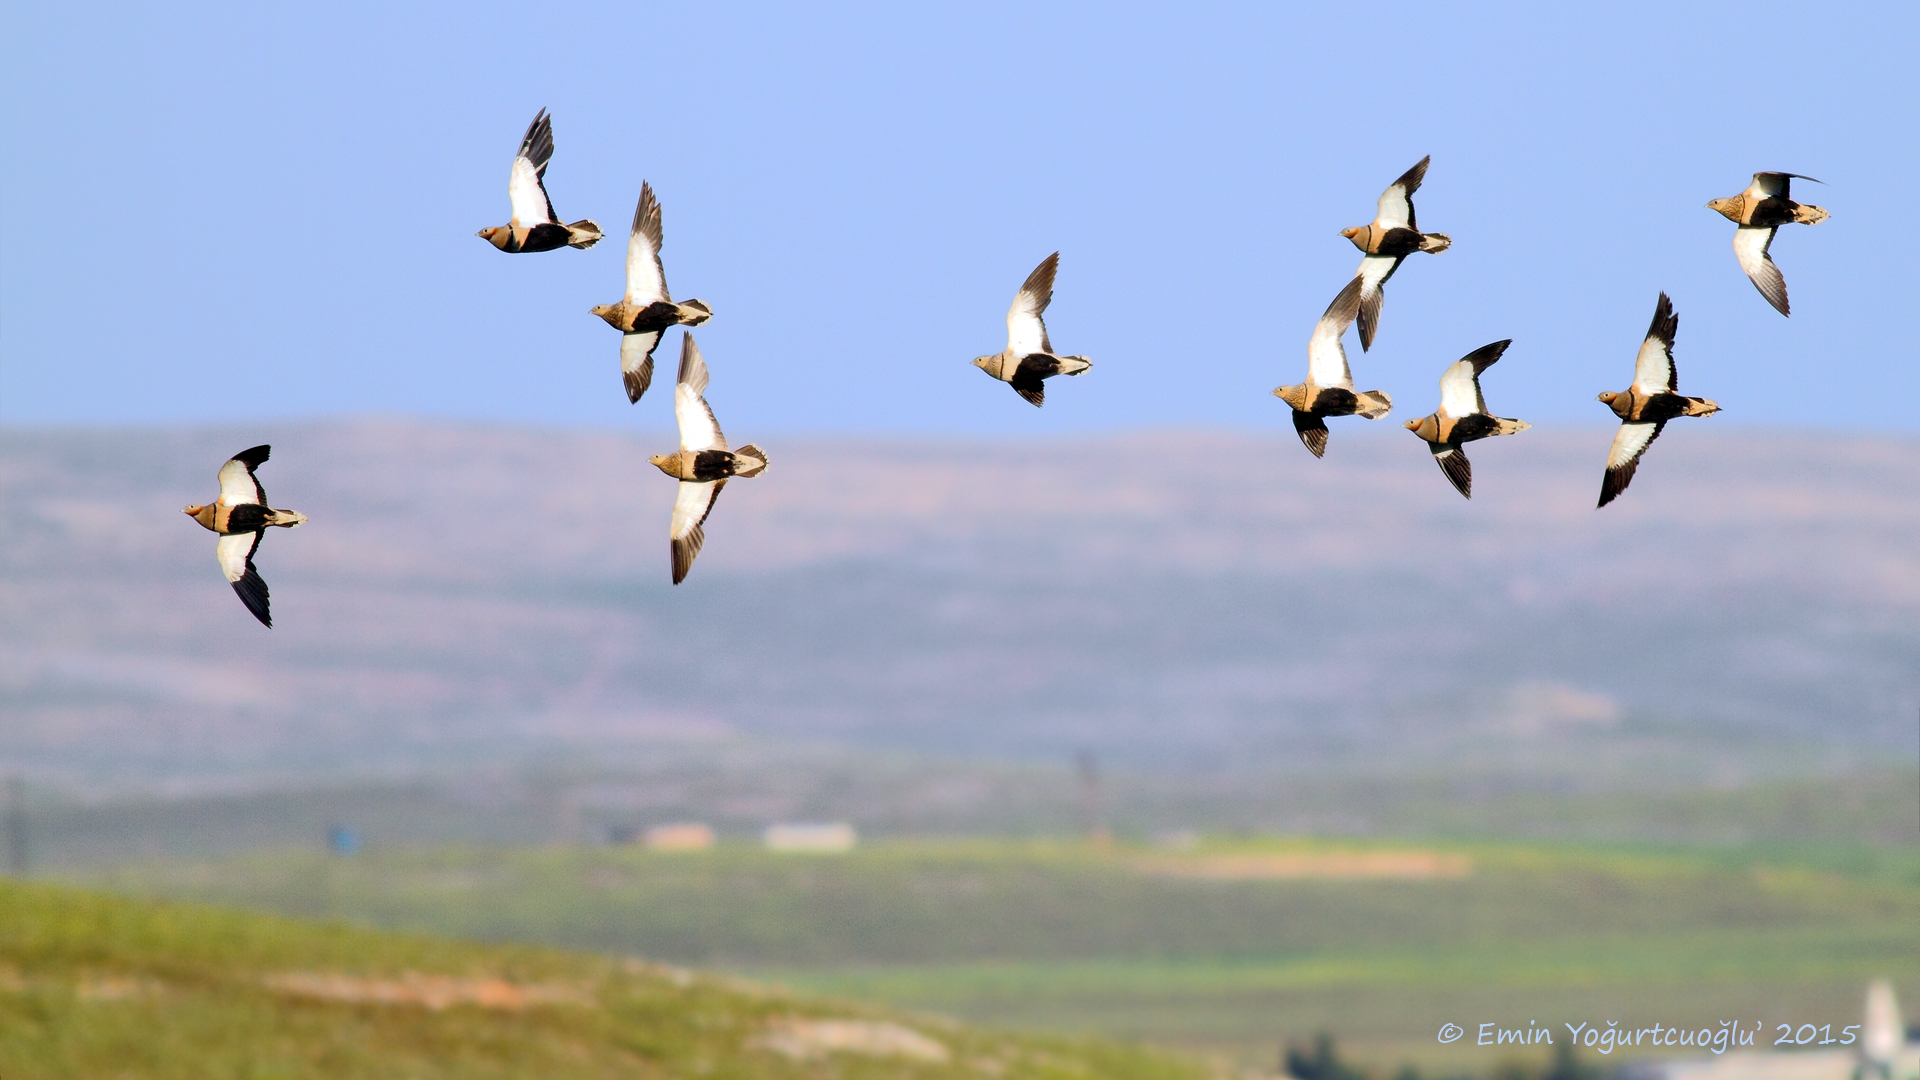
[
  {"x": 238, "y": 486},
  {"x": 1629, "y": 443},
  {"x": 235, "y": 552},
  {"x": 1373, "y": 275},
  {"x": 691, "y": 505},
  {"x": 1026, "y": 331},
  {"x": 1326, "y": 359},
  {"x": 1750, "y": 244},
  {"x": 1460, "y": 393},
  {"x": 1396, "y": 203},
  {"x": 1453, "y": 461},
  {"x": 698, "y": 429},
  {"x": 646, "y": 278},
  {"x": 636, "y": 361},
  {"x": 1775, "y": 185},
  {"x": 1653, "y": 371},
  {"x": 530, "y": 203}
]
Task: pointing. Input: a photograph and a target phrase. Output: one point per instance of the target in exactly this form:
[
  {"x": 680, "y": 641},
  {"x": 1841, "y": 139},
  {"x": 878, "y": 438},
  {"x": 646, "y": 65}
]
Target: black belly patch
[
  {"x": 712, "y": 465},
  {"x": 1333, "y": 401},
  {"x": 655, "y": 317},
  {"x": 545, "y": 237},
  {"x": 247, "y": 517},
  {"x": 1399, "y": 243}
]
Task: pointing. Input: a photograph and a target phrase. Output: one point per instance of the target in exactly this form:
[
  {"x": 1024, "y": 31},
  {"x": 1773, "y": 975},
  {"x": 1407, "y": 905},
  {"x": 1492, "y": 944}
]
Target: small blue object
[{"x": 342, "y": 840}]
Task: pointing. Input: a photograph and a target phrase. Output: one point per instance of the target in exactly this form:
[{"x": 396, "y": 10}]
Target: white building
[{"x": 834, "y": 838}]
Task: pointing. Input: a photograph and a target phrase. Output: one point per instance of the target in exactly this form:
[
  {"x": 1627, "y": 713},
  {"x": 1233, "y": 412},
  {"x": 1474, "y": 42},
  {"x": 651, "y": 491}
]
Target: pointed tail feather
[
  {"x": 583, "y": 234},
  {"x": 1809, "y": 215},
  {"x": 1510, "y": 427},
  {"x": 1373, "y": 404},
  {"x": 1434, "y": 243},
  {"x": 1074, "y": 365},
  {"x": 286, "y": 518},
  {"x": 749, "y": 460},
  {"x": 1699, "y": 406},
  {"x": 1313, "y": 432}
]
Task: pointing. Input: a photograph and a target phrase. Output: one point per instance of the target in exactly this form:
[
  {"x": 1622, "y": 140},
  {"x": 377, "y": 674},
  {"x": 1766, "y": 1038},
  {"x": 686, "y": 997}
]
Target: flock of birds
[{"x": 704, "y": 463}]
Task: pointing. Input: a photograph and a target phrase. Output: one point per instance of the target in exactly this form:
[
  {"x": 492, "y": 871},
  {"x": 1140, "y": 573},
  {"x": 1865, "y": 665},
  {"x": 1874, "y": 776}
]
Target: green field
[
  {"x": 1127, "y": 943},
  {"x": 94, "y": 986}
]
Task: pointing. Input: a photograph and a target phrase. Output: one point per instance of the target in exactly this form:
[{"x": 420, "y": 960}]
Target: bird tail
[
  {"x": 1510, "y": 427},
  {"x": 1809, "y": 215},
  {"x": 583, "y": 234},
  {"x": 1699, "y": 406},
  {"x": 1074, "y": 365},
  {"x": 1434, "y": 243},
  {"x": 1373, "y": 404},
  {"x": 749, "y": 460},
  {"x": 287, "y": 518}
]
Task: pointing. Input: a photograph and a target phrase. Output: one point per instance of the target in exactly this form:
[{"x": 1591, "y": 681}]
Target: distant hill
[
  {"x": 99, "y": 986},
  {"x": 1194, "y": 603}
]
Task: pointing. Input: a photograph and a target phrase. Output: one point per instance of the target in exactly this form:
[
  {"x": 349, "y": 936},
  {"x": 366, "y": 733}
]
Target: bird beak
[
  {"x": 1349, "y": 233},
  {"x": 191, "y": 510}
]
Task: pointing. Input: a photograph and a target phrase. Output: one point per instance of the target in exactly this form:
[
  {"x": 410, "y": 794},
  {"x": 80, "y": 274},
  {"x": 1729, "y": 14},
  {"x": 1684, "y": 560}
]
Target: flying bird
[
  {"x": 1387, "y": 242},
  {"x": 1760, "y": 211},
  {"x": 1462, "y": 416},
  {"x": 1645, "y": 407},
  {"x": 241, "y": 516},
  {"x": 646, "y": 311},
  {"x": 703, "y": 463},
  {"x": 1329, "y": 390},
  {"x": 1029, "y": 358},
  {"x": 534, "y": 226}
]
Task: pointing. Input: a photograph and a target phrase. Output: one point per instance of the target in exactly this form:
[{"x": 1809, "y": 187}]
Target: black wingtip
[
  {"x": 1312, "y": 431},
  {"x": 1666, "y": 321},
  {"x": 1614, "y": 482},
  {"x": 1453, "y": 462},
  {"x": 252, "y": 456},
  {"x": 252, "y": 591}
]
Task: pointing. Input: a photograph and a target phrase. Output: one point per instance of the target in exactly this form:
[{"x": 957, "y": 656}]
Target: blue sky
[{"x": 216, "y": 212}]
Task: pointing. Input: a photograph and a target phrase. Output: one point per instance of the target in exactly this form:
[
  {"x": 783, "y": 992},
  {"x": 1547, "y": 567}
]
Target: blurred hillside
[
  {"x": 1218, "y": 616},
  {"x": 100, "y": 986}
]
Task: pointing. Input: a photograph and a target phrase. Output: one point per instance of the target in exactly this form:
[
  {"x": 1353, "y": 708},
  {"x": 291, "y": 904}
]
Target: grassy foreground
[
  {"x": 98, "y": 986},
  {"x": 1234, "y": 947}
]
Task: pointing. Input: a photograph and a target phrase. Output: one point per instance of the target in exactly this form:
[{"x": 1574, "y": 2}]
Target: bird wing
[
  {"x": 1453, "y": 461},
  {"x": 691, "y": 505},
  {"x": 1653, "y": 371},
  {"x": 1373, "y": 275},
  {"x": 530, "y": 203},
  {"x": 636, "y": 361},
  {"x": 1026, "y": 331},
  {"x": 1750, "y": 244},
  {"x": 1775, "y": 185},
  {"x": 698, "y": 429},
  {"x": 1396, "y": 203},
  {"x": 1326, "y": 359},
  {"x": 238, "y": 486},
  {"x": 1460, "y": 385},
  {"x": 1629, "y": 443},
  {"x": 235, "y": 552},
  {"x": 646, "y": 278}
]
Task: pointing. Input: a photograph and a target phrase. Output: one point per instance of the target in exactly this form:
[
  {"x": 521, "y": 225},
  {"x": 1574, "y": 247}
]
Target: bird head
[
  {"x": 609, "y": 312},
  {"x": 1413, "y": 425},
  {"x": 1362, "y": 236},
  {"x": 1727, "y": 208},
  {"x": 981, "y": 362},
  {"x": 193, "y": 511},
  {"x": 666, "y": 463},
  {"x": 1607, "y": 397},
  {"x": 497, "y": 235}
]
